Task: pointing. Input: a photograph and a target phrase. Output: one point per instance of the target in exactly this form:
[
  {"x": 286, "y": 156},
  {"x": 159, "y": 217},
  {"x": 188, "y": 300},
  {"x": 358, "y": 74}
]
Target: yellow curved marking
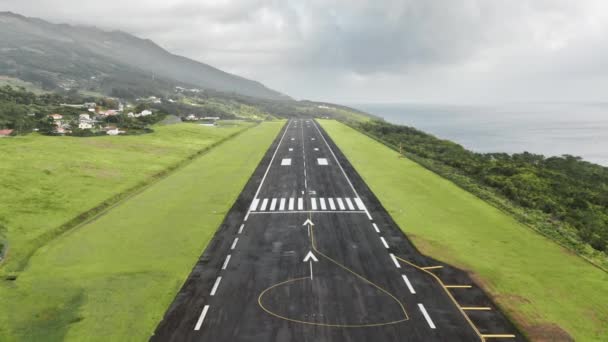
[
  {"x": 314, "y": 323},
  {"x": 314, "y": 247},
  {"x": 481, "y": 337}
]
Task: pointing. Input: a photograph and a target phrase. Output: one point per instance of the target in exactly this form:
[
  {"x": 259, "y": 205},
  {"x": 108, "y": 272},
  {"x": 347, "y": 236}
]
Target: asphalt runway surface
[{"x": 307, "y": 253}]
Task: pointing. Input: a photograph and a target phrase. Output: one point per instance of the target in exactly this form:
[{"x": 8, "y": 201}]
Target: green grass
[
  {"x": 113, "y": 279},
  {"x": 46, "y": 181},
  {"x": 539, "y": 284}
]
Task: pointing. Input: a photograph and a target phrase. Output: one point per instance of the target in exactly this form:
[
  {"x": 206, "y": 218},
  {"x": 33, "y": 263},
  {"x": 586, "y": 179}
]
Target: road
[{"x": 309, "y": 254}]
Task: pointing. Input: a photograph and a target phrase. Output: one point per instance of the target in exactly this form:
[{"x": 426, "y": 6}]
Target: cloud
[{"x": 369, "y": 50}]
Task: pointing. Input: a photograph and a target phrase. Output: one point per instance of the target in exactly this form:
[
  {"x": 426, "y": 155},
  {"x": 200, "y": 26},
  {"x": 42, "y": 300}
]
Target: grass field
[
  {"x": 112, "y": 279},
  {"x": 46, "y": 181},
  {"x": 543, "y": 287}
]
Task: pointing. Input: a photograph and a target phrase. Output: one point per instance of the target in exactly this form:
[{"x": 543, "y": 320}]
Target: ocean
[{"x": 550, "y": 128}]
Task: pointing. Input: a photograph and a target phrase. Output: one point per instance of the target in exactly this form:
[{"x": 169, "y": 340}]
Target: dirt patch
[{"x": 548, "y": 332}]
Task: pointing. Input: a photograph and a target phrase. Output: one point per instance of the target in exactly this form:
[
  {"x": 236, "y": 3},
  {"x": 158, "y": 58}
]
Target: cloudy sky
[{"x": 468, "y": 51}]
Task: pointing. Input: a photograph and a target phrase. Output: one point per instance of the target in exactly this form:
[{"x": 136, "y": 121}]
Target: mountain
[{"x": 66, "y": 56}]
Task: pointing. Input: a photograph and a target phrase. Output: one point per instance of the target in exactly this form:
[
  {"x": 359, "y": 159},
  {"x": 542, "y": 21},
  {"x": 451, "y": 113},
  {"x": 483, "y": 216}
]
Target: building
[
  {"x": 85, "y": 121},
  {"x": 56, "y": 117},
  {"x": 191, "y": 117},
  {"x": 5, "y": 132}
]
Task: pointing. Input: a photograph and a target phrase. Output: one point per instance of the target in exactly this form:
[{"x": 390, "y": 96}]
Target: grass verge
[
  {"x": 540, "y": 285},
  {"x": 113, "y": 279},
  {"x": 51, "y": 184}
]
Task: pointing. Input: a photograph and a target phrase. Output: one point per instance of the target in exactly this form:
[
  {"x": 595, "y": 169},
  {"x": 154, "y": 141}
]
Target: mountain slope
[{"x": 60, "y": 55}]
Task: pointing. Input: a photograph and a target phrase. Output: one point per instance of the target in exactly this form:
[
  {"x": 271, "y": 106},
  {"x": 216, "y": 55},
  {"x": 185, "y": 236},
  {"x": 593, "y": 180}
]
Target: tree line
[{"x": 565, "y": 188}]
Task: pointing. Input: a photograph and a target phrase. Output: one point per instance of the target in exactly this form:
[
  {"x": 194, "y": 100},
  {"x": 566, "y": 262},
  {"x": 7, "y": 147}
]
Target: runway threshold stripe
[
  {"x": 215, "y": 286},
  {"x": 282, "y": 204},
  {"x": 376, "y": 228},
  {"x": 408, "y": 284},
  {"x": 226, "y": 262},
  {"x": 426, "y": 316},
  {"x": 201, "y": 318},
  {"x": 241, "y": 228},
  {"x": 273, "y": 204},
  {"x": 264, "y": 204},
  {"x": 254, "y": 204},
  {"x": 313, "y": 203},
  {"x": 291, "y": 200},
  {"x": 332, "y": 206},
  {"x": 340, "y": 204},
  {"x": 300, "y": 203},
  {"x": 359, "y": 203},
  {"x": 384, "y": 242},
  {"x": 395, "y": 260},
  {"x": 234, "y": 243},
  {"x": 322, "y": 203},
  {"x": 350, "y": 204}
]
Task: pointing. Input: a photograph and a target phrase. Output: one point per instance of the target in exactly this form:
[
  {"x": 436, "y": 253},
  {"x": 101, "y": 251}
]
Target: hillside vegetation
[
  {"x": 564, "y": 198},
  {"x": 550, "y": 293},
  {"x": 77, "y": 57}
]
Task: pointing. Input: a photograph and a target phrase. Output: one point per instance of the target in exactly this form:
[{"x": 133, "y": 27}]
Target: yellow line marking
[
  {"x": 476, "y": 308},
  {"x": 458, "y": 286},
  {"x": 498, "y": 336},
  {"x": 431, "y": 267},
  {"x": 481, "y": 337},
  {"x": 314, "y": 247}
]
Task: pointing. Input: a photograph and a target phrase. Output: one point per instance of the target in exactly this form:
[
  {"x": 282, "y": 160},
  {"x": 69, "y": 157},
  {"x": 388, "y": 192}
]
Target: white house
[{"x": 85, "y": 125}]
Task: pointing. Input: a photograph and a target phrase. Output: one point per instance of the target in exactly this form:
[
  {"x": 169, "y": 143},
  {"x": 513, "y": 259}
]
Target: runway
[{"x": 307, "y": 253}]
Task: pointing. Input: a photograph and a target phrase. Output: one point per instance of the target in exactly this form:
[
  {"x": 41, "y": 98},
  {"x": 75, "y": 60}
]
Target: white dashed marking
[
  {"x": 291, "y": 200},
  {"x": 408, "y": 284},
  {"x": 426, "y": 316},
  {"x": 286, "y": 162},
  {"x": 201, "y": 318},
  {"x": 215, "y": 286},
  {"x": 322, "y": 161}
]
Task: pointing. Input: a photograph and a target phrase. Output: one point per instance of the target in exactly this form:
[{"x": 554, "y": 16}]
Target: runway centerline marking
[
  {"x": 384, "y": 242},
  {"x": 426, "y": 316},
  {"x": 236, "y": 240},
  {"x": 314, "y": 248},
  {"x": 201, "y": 318},
  {"x": 241, "y": 228}
]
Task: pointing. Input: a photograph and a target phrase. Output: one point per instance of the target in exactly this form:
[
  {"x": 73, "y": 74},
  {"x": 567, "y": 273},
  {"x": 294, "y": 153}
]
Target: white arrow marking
[
  {"x": 308, "y": 221},
  {"x": 309, "y": 256}
]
